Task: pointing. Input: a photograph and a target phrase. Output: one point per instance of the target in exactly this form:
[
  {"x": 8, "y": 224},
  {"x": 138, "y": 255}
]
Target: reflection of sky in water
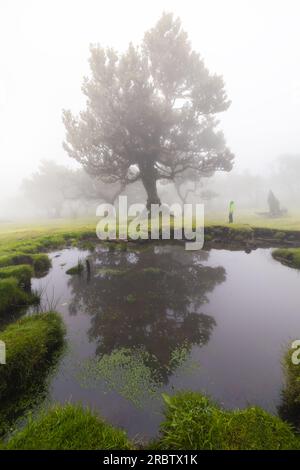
[{"x": 216, "y": 322}]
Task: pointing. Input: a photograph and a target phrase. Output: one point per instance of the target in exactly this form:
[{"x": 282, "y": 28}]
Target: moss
[
  {"x": 69, "y": 427},
  {"x": 22, "y": 272},
  {"x": 30, "y": 344},
  {"x": 193, "y": 422},
  {"x": 13, "y": 297},
  {"x": 288, "y": 256}
]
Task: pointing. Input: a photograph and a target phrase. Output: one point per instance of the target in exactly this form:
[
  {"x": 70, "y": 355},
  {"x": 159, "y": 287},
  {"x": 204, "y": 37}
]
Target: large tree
[{"x": 150, "y": 112}]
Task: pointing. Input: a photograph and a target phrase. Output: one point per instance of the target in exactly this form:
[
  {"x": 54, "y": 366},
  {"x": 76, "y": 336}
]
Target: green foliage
[
  {"x": 193, "y": 422},
  {"x": 69, "y": 427},
  {"x": 31, "y": 344}
]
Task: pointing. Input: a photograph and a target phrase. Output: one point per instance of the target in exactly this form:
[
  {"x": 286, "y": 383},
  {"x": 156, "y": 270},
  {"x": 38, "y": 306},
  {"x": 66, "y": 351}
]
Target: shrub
[
  {"x": 193, "y": 422},
  {"x": 31, "y": 344},
  {"x": 69, "y": 427}
]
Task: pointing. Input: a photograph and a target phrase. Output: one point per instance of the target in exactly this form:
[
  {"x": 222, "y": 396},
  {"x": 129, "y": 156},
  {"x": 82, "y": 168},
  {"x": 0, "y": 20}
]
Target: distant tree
[
  {"x": 53, "y": 185},
  {"x": 150, "y": 113},
  {"x": 48, "y": 186}
]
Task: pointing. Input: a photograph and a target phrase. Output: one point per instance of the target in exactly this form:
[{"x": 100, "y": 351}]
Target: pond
[{"x": 159, "y": 319}]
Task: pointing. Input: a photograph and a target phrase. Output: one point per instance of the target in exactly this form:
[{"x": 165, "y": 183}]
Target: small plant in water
[
  {"x": 125, "y": 371},
  {"x": 76, "y": 269}
]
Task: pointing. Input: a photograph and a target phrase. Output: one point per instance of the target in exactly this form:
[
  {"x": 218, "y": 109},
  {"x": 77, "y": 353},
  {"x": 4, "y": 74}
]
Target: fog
[{"x": 254, "y": 45}]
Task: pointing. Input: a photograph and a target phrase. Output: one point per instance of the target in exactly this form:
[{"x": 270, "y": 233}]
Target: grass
[
  {"x": 31, "y": 343},
  {"x": 194, "y": 422},
  {"x": 288, "y": 256},
  {"x": 13, "y": 297},
  {"x": 69, "y": 427},
  {"x": 22, "y": 272}
]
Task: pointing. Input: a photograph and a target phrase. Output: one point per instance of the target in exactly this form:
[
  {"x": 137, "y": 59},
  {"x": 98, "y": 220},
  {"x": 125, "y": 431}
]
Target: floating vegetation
[
  {"x": 126, "y": 371},
  {"x": 181, "y": 361}
]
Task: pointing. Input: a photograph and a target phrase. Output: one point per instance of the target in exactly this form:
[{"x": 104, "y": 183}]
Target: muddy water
[{"x": 162, "y": 319}]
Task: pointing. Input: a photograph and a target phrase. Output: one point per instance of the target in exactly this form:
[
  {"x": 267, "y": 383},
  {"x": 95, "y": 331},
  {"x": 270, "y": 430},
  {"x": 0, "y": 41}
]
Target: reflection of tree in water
[{"x": 148, "y": 300}]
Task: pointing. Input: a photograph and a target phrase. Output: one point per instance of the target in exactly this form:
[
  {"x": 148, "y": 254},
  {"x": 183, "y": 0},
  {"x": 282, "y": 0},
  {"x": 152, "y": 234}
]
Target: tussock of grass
[
  {"x": 288, "y": 256},
  {"x": 22, "y": 272},
  {"x": 12, "y": 297},
  {"x": 69, "y": 427},
  {"x": 193, "y": 422},
  {"x": 31, "y": 344}
]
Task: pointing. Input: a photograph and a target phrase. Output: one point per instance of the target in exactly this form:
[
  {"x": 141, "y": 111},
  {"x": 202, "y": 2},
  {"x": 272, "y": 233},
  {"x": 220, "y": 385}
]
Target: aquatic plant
[{"x": 125, "y": 371}]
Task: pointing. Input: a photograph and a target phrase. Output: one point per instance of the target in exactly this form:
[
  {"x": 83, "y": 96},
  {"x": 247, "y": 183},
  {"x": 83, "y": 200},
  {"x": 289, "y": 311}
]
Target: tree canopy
[{"x": 150, "y": 112}]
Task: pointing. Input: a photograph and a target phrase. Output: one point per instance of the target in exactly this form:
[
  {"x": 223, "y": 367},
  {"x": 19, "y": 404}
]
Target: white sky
[{"x": 254, "y": 44}]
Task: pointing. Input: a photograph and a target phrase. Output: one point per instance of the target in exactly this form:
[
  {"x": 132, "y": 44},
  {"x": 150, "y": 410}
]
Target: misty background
[{"x": 44, "y": 49}]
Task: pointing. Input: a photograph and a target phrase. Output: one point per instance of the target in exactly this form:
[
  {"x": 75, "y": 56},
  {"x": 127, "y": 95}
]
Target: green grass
[
  {"x": 288, "y": 256},
  {"x": 193, "y": 422},
  {"x": 22, "y": 272},
  {"x": 69, "y": 427},
  {"x": 13, "y": 297},
  {"x": 31, "y": 343}
]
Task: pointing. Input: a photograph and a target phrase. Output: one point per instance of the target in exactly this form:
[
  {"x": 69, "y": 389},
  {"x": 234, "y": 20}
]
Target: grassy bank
[
  {"x": 32, "y": 347},
  {"x": 193, "y": 422},
  {"x": 288, "y": 256},
  {"x": 30, "y": 343},
  {"x": 13, "y": 297},
  {"x": 69, "y": 427}
]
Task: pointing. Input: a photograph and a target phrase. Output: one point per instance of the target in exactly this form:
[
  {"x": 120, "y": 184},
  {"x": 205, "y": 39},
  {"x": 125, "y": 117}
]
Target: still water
[{"x": 160, "y": 319}]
